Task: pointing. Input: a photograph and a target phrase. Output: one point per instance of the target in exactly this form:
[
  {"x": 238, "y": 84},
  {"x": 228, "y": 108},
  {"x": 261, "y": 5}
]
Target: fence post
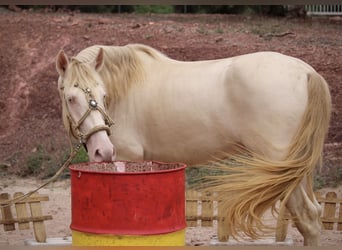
[
  {"x": 23, "y": 218},
  {"x": 7, "y": 213},
  {"x": 38, "y": 226},
  {"x": 222, "y": 232},
  {"x": 191, "y": 208},
  {"x": 329, "y": 210},
  {"x": 21, "y": 210},
  {"x": 339, "y": 225},
  {"x": 207, "y": 211}
]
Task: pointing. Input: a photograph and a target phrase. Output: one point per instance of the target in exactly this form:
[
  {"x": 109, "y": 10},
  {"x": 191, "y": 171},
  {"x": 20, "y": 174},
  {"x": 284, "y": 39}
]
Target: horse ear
[
  {"x": 98, "y": 62},
  {"x": 62, "y": 62}
]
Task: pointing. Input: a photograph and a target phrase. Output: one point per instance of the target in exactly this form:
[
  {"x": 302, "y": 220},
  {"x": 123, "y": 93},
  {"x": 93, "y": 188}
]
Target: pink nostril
[
  {"x": 97, "y": 153},
  {"x": 103, "y": 155},
  {"x": 97, "y": 156}
]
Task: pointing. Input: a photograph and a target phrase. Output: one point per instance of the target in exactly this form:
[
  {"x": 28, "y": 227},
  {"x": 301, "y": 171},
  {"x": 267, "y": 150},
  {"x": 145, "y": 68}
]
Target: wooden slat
[
  {"x": 27, "y": 199},
  {"x": 6, "y": 213},
  {"x": 222, "y": 232},
  {"x": 207, "y": 216},
  {"x": 201, "y": 218},
  {"x": 27, "y": 219},
  {"x": 331, "y": 220},
  {"x": 39, "y": 228},
  {"x": 339, "y": 225},
  {"x": 21, "y": 210},
  {"x": 319, "y": 197},
  {"x": 329, "y": 210},
  {"x": 330, "y": 200},
  {"x": 207, "y": 210},
  {"x": 191, "y": 208}
]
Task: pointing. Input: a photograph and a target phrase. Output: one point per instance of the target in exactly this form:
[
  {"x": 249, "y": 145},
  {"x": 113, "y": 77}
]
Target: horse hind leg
[{"x": 306, "y": 215}]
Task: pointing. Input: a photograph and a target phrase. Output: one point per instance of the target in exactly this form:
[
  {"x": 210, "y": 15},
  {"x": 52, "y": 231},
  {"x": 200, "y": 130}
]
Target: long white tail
[{"x": 257, "y": 183}]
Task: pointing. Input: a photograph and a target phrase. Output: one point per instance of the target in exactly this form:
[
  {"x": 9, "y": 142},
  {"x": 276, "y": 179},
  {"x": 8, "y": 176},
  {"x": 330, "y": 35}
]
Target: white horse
[{"x": 266, "y": 110}]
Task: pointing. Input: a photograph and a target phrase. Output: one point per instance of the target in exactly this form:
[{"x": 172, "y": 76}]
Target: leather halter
[{"x": 92, "y": 106}]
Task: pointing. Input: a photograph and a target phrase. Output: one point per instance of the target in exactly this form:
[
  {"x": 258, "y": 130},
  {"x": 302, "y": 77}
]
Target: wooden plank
[
  {"x": 28, "y": 199},
  {"x": 207, "y": 215},
  {"x": 27, "y": 219},
  {"x": 207, "y": 210},
  {"x": 21, "y": 210},
  {"x": 339, "y": 224},
  {"x": 329, "y": 210},
  {"x": 6, "y": 213},
  {"x": 201, "y": 218},
  {"x": 191, "y": 208},
  {"x": 331, "y": 220},
  {"x": 319, "y": 197},
  {"x": 222, "y": 232},
  {"x": 332, "y": 200},
  {"x": 38, "y": 226}
]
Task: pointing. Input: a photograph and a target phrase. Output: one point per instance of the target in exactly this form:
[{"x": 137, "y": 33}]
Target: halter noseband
[{"x": 92, "y": 106}]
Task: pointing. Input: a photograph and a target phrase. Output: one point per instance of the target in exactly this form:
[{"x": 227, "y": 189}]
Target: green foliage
[
  {"x": 319, "y": 182},
  {"x": 329, "y": 176},
  {"x": 202, "y": 30},
  {"x": 4, "y": 168},
  {"x": 158, "y": 9},
  {"x": 44, "y": 164},
  {"x": 219, "y": 31},
  {"x": 196, "y": 176},
  {"x": 104, "y": 8},
  {"x": 332, "y": 173},
  {"x": 82, "y": 156},
  {"x": 96, "y": 8},
  {"x": 35, "y": 160},
  {"x": 275, "y": 10}
]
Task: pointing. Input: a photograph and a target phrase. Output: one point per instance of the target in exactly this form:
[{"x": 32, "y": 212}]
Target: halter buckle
[{"x": 93, "y": 104}]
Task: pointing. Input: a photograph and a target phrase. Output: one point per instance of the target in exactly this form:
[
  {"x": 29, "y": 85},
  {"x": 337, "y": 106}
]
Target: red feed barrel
[{"x": 144, "y": 205}]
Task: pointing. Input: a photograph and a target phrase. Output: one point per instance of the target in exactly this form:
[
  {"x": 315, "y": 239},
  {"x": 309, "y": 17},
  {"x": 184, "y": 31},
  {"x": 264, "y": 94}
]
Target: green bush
[
  {"x": 158, "y": 9},
  {"x": 43, "y": 164},
  {"x": 81, "y": 156},
  {"x": 275, "y": 10},
  {"x": 35, "y": 161}
]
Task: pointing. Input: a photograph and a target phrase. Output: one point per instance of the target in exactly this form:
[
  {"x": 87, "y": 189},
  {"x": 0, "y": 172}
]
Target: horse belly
[{"x": 187, "y": 118}]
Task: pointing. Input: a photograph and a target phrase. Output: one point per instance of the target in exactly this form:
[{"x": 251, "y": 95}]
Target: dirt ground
[{"x": 30, "y": 112}]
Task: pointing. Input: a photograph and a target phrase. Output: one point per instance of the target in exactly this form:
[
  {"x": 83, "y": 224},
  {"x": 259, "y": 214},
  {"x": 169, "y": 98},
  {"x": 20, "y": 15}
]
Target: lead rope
[{"x": 74, "y": 150}]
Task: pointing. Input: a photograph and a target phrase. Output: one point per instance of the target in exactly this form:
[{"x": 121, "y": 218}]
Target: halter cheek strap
[{"x": 75, "y": 127}]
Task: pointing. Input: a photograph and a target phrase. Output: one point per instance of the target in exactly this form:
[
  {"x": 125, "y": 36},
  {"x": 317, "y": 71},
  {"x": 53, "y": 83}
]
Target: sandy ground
[{"x": 59, "y": 206}]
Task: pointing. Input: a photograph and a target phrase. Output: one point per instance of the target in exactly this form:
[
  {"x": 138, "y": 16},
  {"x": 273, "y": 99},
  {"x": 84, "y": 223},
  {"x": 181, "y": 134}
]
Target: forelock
[{"x": 81, "y": 73}]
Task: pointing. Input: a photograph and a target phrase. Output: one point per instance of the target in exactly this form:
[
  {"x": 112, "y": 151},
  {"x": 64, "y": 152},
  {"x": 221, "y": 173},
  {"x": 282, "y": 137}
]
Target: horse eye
[{"x": 71, "y": 99}]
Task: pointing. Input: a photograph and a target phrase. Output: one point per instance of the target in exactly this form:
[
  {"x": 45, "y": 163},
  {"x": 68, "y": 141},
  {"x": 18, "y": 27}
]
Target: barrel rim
[
  {"x": 127, "y": 232},
  {"x": 180, "y": 167}
]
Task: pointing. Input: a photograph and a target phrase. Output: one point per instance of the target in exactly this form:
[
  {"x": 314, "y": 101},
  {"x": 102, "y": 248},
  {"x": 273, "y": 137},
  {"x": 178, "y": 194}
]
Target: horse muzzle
[{"x": 100, "y": 148}]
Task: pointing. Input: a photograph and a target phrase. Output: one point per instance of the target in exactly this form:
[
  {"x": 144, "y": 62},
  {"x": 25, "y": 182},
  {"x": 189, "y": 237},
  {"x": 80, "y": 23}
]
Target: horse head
[{"x": 83, "y": 99}]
